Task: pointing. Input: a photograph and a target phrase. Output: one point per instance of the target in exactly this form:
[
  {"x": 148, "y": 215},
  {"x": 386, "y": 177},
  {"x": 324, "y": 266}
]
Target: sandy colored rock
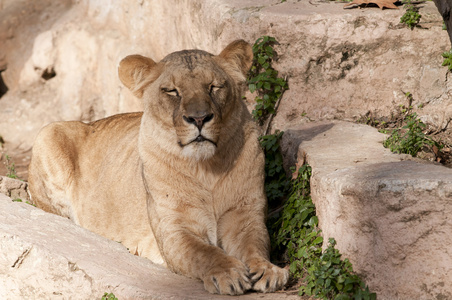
[
  {"x": 389, "y": 215},
  {"x": 13, "y": 188}
]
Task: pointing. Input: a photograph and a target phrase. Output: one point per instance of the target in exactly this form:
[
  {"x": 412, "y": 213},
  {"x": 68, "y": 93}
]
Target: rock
[
  {"x": 45, "y": 256},
  {"x": 29, "y": 103},
  {"x": 444, "y": 7},
  {"x": 61, "y": 60},
  {"x": 16, "y": 189},
  {"x": 41, "y": 62},
  {"x": 389, "y": 215}
]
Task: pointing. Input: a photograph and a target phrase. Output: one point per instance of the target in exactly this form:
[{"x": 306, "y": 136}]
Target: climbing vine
[
  {"x": 264, "y": 80},
  {"x": 276, "y": 182}
]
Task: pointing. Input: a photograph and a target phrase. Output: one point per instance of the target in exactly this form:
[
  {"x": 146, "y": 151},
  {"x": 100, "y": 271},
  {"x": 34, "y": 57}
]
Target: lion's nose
[{"x": 198, "y": 121}]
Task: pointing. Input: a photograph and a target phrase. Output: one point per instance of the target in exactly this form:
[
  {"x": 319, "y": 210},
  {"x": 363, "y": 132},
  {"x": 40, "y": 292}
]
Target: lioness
[{"x": 180, "y": 183}]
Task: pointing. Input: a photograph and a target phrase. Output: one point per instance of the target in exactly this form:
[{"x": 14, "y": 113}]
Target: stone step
[
  {"x": 44, "y": 256},
  {"x": 390, "y": 214}
]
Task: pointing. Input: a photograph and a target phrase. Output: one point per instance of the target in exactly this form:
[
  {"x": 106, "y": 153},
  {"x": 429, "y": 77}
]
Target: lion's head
[{"x": 191, "y": 96}]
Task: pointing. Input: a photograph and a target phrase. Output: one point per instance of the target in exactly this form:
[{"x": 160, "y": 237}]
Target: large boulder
[{"x": 390, "y": 214}]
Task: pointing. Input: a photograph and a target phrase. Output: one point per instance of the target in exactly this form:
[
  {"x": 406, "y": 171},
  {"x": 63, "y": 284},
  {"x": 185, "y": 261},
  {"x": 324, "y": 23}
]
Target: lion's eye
[{"x": 172, "y": 92}]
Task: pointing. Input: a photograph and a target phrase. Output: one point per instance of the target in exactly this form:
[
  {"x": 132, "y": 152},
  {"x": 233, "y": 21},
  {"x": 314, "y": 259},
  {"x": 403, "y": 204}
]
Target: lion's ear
[
  {"x": 135, "y": 73},
  {"x": 239, "y": 55}
]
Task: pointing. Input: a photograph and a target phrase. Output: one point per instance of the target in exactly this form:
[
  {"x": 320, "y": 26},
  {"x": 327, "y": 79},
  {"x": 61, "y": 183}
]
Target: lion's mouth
[{"x": 199, "y": 139}]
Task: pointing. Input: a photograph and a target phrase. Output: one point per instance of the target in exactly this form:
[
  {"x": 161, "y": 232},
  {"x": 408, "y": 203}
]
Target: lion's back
[{"x": 69, "y": 156}]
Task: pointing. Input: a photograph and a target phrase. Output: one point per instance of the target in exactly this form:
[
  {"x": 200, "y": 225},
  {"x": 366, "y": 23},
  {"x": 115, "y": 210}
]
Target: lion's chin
[{"x": 199, "y": 151}]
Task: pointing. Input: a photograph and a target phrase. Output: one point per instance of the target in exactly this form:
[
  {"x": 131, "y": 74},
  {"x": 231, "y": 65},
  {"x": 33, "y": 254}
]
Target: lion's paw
[
  {"x": 230, "y": 277},
  {"x": 266, "y": 277}
]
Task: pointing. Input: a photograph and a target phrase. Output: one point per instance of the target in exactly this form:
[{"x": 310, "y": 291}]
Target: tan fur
[{"x": 197, "y": 207}]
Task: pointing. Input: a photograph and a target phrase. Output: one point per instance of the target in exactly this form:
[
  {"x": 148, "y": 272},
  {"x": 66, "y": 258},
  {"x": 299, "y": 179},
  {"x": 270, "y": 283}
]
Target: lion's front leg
[
  {"x": 188, "y": 250},
  {"x": 247, "y": 239}
]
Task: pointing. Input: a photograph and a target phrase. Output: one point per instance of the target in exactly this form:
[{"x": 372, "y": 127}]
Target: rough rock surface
[
  {"x": 390, "y": 216},
  {"x": 44, "y": 256},
  {"x": 59, "y": 61},
  {"x": 16, "y": 189}
]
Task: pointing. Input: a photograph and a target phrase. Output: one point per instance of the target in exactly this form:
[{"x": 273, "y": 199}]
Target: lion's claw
[
  {"x": 230, "y": 278},
  {"x": 267, "y": 277}
]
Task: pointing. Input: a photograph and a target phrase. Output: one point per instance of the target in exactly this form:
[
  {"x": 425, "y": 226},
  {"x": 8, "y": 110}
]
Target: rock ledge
[{"x": 389, "y": 214}]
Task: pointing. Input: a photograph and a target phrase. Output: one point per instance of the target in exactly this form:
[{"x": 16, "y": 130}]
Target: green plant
[
  {"x": 447, "y": 59},
  {"x": 297, "y": 225},
  {"x": 264, "y": 80},
  {"x": 330, "y": 277},
  {"x": 324, "y": 274},
  {"x": 20, "y": 200},
  {"x": 109, "y": 296},
  {"x": 276, "y": 181},
  {"x": 411, "y": 17},
  {"x": 410, "y": 139},
  {"x": 11, "y": 167},
  {"x": 409, "y": 98}
]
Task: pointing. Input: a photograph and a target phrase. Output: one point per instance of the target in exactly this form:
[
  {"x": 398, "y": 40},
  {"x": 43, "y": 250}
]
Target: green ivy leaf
[{"x": 318, "y": 240}]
